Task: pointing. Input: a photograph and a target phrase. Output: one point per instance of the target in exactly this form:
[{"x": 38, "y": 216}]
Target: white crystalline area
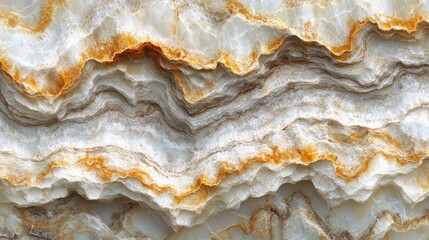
[{"x": 132, "y": 119}]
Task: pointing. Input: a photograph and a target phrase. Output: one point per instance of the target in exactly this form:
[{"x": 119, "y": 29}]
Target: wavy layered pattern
[{"x": 234, "y": 119}]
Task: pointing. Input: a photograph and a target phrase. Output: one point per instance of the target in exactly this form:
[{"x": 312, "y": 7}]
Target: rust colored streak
[
  {"x": 203, "y": 186},
  {"x": 106, "y": 174},
  {"x": 13, "y": 20},
  {"x": 190, "y": 94},
  {"x": 343, "y": 52},
  {"x": 18, "y": 181},
  {"x": 102, "y": 52},
  {"x": 198, "y": 192},
  {"x": 50, "y": 168},
  {"x": 107, "y": 51},
  {"x": 236, "y": 7}
]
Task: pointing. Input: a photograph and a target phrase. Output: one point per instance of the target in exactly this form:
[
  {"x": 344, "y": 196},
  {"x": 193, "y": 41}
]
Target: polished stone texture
[{"x": 229, "y": 119}]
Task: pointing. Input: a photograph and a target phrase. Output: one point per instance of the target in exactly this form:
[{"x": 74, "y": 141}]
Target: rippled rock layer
[{"x": 214, "y": 119}]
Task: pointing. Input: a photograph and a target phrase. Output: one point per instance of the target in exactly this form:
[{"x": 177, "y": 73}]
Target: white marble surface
[{"x": 214, "y": 119}]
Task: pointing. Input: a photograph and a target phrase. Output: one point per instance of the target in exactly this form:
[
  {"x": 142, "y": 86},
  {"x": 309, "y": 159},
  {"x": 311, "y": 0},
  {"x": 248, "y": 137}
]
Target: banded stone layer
[{"x": 214, "y": 119}]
